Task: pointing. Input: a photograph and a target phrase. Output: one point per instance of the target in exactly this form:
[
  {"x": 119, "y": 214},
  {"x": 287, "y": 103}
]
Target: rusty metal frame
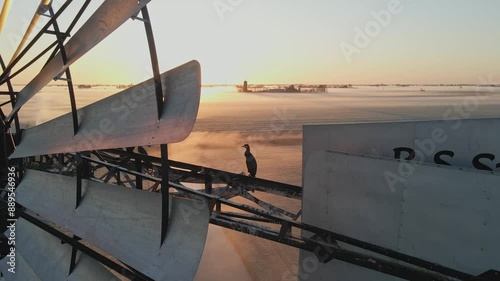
[{"x": 273, "y": 223}]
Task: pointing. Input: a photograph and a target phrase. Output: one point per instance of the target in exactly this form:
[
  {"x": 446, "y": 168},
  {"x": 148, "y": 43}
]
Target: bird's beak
[{"x": 242, "y": 146}]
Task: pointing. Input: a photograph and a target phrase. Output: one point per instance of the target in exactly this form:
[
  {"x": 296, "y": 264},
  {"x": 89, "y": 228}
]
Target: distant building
[
  {"x": 292, "y": 89},
  {"x": 245, "y": 86}
]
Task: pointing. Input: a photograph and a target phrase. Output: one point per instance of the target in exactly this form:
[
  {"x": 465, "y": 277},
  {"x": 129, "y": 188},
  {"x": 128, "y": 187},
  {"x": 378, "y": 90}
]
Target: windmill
[
  {"x": 128, "y": 224},
  {"x": 83, "y": 198}
]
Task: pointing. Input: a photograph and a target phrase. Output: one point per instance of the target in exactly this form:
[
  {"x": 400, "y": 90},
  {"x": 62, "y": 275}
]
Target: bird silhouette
[{"x": 251, "y": 162}]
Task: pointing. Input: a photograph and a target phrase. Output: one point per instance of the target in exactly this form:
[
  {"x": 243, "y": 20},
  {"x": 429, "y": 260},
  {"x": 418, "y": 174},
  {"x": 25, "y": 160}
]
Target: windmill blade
[
  {"x": 126, "y": 119},
  {"x": 4, "y": 13},
  {"x": 124, "y": 222},
  {"x": 22, "y": 271},
  {"x": 44, "y": 4},
  {"x": 106, "y": 19},
  {"x": 49, "y": 259}
]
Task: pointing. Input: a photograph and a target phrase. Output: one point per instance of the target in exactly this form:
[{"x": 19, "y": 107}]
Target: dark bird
[{"x": 251, "y": 162}]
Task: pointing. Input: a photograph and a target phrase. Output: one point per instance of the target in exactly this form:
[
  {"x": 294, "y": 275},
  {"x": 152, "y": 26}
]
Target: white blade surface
[
  {"x": 126, "y": 223},
  {"x": 440, "y": 214},
  {"x": 47, "y": 258},
  {"x": 126, "y": 119},
  {"x": 106, "y": 19},
  {"x": 22, "y": 271}
]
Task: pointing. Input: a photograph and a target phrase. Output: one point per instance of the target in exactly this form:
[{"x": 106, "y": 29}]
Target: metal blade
[
  {"x": 422, "y": 215},
  {"x": 49, "y": 259},
  {"x": 4, "y": 13},
  {"x": 22, "y": 271},
  {"x": 106, "y": 19},
  {"x": 126, "y": 119},
  {"x": 44, "y": 4},
  {"x": 123, "y": 222}
]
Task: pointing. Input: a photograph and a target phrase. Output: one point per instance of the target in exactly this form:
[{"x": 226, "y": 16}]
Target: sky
[{"x": 290, "y": 41}]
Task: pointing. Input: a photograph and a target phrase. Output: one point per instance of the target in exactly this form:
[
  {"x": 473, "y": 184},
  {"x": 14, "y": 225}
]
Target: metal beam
[
  {"x": 154, "y": 61},
  {"x": 70, "y": 27},
  {"x": 32, "y": 42},
  {"x": 60, "y": 39},
  {"x": 219, "y": 176},
  {"x": 105, "y": 20},
  {"x": 165, "y": 204},
  {"x": 79, "y": 177},
  {"x": 160, "y": 105},
  {"x": 12, "y": 97}
]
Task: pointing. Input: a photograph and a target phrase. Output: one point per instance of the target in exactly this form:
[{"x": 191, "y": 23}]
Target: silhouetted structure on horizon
[{"x": 245, "y": 86}]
